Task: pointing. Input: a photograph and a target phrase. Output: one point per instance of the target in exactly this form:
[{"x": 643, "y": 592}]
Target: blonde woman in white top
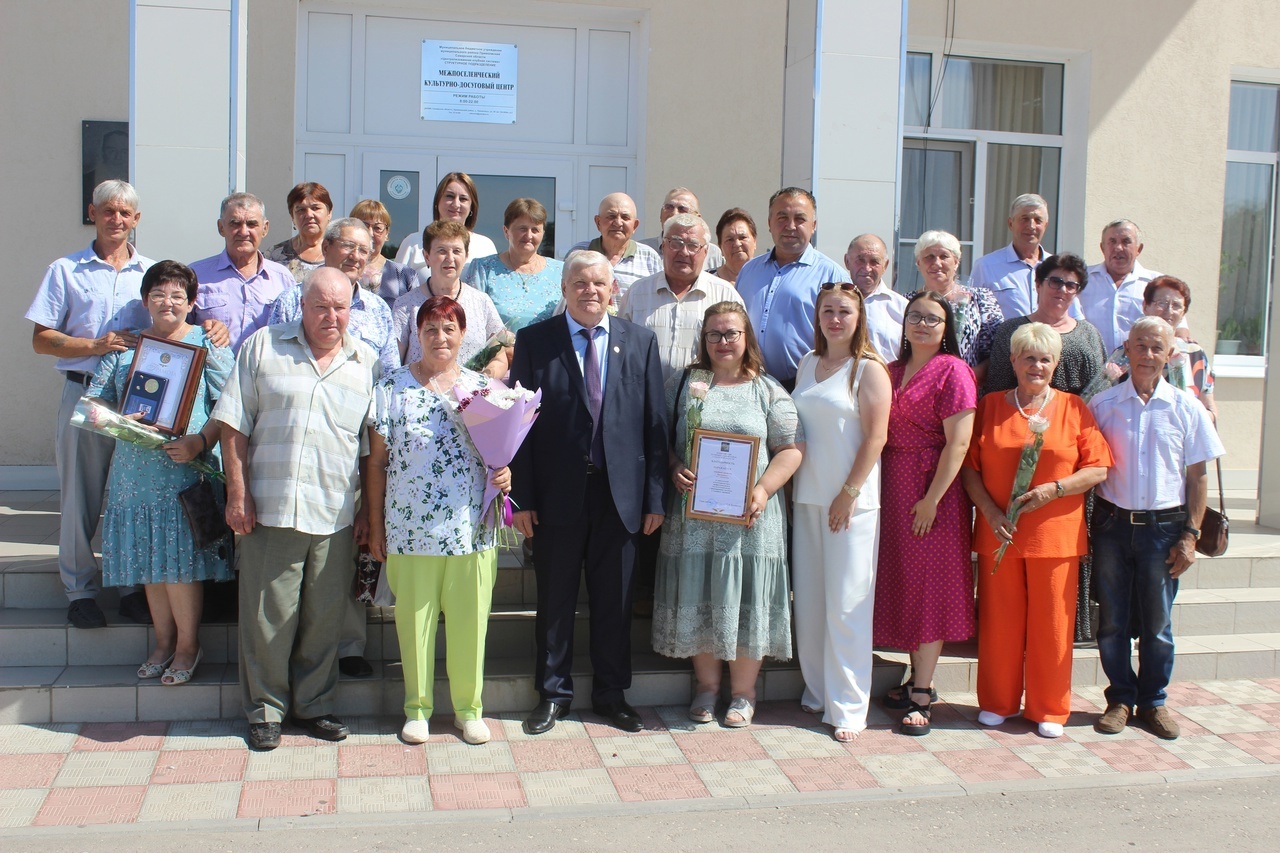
[{"x": 843, "y": 396}]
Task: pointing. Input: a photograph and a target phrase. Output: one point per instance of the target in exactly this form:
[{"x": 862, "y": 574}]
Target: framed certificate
[
  {"x": 162, "y": 383},
  {"x": 724, "y": 464}
]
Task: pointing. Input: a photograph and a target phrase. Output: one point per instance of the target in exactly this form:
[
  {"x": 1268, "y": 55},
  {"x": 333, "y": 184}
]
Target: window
[
  {"x": 1248, "y": 224},
  {"x": 978, "y": 133}
]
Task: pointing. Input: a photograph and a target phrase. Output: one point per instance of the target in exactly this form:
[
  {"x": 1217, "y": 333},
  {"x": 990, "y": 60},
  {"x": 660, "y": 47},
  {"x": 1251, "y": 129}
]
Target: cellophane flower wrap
[
  {"x": 497, "y": 341},
  {"x": 497, "y": 419},
  {"x": 699, "y": 385},
  {"x": 96, "y": 416},
  {"x": 1037, "y": 424}
]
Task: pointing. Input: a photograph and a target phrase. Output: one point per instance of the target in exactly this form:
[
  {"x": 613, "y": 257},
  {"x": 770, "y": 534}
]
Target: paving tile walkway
[{"x": 153, "y": 774}]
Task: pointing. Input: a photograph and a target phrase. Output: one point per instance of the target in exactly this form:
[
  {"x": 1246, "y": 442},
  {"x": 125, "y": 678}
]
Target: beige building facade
[{"x": 1110, "y": 110}]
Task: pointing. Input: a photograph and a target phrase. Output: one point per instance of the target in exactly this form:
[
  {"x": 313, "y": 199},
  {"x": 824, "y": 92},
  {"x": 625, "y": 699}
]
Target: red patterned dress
[{"x": 924, "y": 585}]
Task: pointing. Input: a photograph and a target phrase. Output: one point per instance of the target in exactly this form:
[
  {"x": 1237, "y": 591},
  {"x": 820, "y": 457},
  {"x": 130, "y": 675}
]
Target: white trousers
[{"x": 834, "y": 581}]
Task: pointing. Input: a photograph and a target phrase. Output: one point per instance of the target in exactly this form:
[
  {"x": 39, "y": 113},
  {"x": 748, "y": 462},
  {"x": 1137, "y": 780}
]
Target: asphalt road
[{"x": 1236, "y": 814}]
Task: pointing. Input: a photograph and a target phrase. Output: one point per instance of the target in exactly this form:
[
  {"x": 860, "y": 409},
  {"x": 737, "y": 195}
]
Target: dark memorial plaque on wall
[{"x": 104, "y": 153}]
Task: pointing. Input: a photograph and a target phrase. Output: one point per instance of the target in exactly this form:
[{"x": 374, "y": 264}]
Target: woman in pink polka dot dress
[{"x": 924, "y": 579}]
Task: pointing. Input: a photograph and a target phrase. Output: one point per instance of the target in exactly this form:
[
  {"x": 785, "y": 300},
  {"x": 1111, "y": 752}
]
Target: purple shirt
[{"x": 242, "y": 304}]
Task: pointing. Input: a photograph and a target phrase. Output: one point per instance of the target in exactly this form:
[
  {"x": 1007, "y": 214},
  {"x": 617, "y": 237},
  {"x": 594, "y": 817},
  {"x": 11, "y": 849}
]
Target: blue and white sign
[{"x": 468, "y": 81}]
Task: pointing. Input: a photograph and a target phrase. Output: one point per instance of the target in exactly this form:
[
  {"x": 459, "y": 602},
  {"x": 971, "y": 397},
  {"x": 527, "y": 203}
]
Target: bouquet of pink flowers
[
  {"x": 498, "y": 418},
  {"x": 96, "y": 416}
]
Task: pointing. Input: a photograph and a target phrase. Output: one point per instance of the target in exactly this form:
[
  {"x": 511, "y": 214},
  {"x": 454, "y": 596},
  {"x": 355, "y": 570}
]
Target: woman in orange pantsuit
[{"x": 1027, "y": 605}]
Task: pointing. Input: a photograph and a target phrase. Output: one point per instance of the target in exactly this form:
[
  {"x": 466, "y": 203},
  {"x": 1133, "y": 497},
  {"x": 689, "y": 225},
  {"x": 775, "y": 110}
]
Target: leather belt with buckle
[
  {"x": 1140, "y": 518},
  {"x": 77, "y": 376}
]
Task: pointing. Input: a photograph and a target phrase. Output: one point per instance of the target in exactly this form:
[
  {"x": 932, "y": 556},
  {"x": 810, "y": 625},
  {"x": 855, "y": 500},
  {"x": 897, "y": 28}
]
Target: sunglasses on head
[{"x": 838, "y": 285}]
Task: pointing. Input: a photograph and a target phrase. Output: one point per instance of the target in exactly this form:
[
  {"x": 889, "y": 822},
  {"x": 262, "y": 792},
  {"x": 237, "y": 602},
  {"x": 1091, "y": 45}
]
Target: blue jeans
[{"x": 1134, "y": 591}]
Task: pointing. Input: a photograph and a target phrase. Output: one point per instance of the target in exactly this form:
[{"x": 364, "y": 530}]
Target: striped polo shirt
[{"x": 306, "y": 428}]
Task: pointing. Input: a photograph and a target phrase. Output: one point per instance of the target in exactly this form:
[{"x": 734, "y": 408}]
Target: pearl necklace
[{"x": 1047, "y": 394}]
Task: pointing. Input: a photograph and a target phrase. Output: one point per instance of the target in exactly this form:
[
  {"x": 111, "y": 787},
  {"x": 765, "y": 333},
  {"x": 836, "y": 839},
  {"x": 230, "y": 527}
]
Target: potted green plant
[{"x": 1229, "y": 336}]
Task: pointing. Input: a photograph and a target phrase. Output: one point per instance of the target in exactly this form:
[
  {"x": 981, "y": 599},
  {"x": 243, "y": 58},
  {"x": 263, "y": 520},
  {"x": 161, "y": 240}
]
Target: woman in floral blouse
[
  {"x": 977, "y": 313},
  {"x": 426, "y": 483}
]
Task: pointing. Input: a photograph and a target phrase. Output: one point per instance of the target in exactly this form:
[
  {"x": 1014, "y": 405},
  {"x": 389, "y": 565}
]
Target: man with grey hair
[
  {"x": 1009, "y": 273},
  {"x": 682, "y": 200},
  {"x": 291, "y": 495},
  {"x": 347, "y": 247},
  {"x": 89, "y": 304},
  {"x": 867, "y": 260},
  {"x": 588, "y": 479},
  {"x": 238, "y": 285},
  {"x": 1146, "y": 521},
  {"x": 671, "y": 304},
  {"x": 617, "y": 222},
  {"x": 1112, "y": 301}
]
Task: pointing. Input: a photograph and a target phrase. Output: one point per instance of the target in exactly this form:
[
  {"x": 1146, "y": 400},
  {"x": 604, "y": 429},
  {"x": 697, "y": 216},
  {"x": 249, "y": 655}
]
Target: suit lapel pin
[{"x": 615, "y": 349}]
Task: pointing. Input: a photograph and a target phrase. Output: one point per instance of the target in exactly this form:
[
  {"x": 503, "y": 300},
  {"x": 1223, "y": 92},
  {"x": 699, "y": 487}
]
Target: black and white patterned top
[{"x": 978, "y": 315}]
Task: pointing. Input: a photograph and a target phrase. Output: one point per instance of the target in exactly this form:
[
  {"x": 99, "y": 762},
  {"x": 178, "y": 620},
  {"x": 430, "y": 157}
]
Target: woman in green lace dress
[{"x": 721, "y": 592}]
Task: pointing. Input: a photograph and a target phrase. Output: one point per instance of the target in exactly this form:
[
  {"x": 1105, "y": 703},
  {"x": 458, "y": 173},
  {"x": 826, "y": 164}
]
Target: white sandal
[
  {"x": 703, "y": 708},
  {"x": 174, "y": 677},
  {"x": 154, "y": 670},
  {"x": 744, "y": 708}
]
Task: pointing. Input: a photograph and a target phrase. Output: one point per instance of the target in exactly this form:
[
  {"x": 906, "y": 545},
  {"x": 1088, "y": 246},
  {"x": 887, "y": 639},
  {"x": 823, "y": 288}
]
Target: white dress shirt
[
  {"x": 677, "y": 321},
  {"x": 885, "y": 310},
  {"x": 1113, "y": 308},
  {"x": 1153, "y": 443}
]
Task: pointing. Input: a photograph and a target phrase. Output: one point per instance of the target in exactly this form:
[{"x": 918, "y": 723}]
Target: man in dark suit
[{"x": 588, "y": 479}]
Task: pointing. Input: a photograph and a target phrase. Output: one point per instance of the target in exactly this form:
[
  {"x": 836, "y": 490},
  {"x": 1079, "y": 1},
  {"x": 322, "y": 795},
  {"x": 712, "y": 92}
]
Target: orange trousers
[{"x": 1026, "y": 628}]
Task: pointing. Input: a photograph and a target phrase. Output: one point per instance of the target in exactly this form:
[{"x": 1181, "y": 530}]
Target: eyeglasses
[
  {"x": 838, "y": 285},
  {"x": 678, "y": 244},
  {"x": 357, "y": 249},
  {"x": 376, "y": 228},
  {"x": 678, "y": 208},
  {"x": 158, "y": 298},
  {"x": 1057, "y": 282},
  {"x": 1169, "y": 305},
  {"x": 730, "y": 337},
  {"x": 932, "y": 321}
]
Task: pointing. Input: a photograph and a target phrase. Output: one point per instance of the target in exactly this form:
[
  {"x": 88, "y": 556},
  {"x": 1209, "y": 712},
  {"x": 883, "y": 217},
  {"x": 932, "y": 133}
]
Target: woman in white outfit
[{"x": 843, "y": 396}]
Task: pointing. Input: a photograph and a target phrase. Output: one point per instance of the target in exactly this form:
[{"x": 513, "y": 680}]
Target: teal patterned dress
[
  {"x": 720, "y": 588},
  {"x": 145, "y": 536}
]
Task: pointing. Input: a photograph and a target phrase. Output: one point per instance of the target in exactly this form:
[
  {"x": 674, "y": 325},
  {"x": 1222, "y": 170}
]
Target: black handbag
[
  {"x": 1214, "y": 527},
  {"x": 206, "y": 517}
]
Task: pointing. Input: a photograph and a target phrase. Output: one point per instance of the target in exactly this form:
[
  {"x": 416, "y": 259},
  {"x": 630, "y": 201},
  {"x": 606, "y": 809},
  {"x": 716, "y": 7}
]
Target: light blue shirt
[
  {"x": 1153, "y": 443},
  {"x": 601, "y": 343},
  {"x": 241, "y": 304},
  {"x": 370, "y": 321},
  {"x": 780, "y": 302},
  {"x": 83, "y": 296},
  {"x": 1012, "y": 281}
]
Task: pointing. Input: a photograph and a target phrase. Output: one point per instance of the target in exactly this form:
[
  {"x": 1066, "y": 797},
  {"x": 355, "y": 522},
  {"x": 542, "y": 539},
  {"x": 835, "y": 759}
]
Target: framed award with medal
[{"x": 162, "y": 383}]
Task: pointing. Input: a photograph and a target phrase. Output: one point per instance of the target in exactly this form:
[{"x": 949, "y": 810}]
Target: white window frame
[
  {"x": 1072, "y": 142},
  {"x": 1255, "y": 366}
]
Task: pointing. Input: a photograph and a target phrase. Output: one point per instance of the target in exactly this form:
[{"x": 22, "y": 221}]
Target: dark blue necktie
[{"x": 595, "y": 394}]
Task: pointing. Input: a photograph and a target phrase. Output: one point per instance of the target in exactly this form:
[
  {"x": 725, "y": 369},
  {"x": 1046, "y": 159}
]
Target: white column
[
  {"x": 842, "y": 94},
  {"x": 184, "y": 158}
]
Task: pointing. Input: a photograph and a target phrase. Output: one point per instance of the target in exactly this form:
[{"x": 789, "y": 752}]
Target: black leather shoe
[
  {"x": 327, "y": 727},
  {"x": 85, "y": 613},
  {"x": 134, "y": 608},
  {"x": 543, "y": 717},
  {"x": 621, "y": 715},
  {"x": 264, "y": 735},
  {"x": 355, "y": 666}
]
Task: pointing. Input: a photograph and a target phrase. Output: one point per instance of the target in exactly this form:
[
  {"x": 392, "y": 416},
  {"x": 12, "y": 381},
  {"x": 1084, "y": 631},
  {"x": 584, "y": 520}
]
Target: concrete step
[
  {"x": 43, "y": 638},
  {"x": 113, "y": 693},
  {"x": 1247, "y": 610},
  {"x": 34, "y": 584}
]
